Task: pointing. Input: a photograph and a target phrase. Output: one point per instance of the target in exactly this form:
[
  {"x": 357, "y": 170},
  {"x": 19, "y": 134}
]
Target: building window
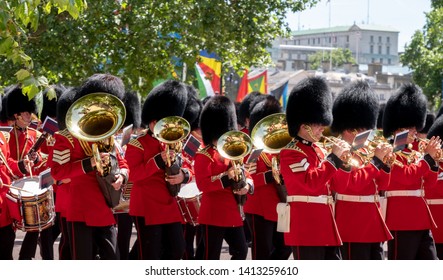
[
  {"x": 381, "y": 60},
  {"x": 372, "y": 39},
  {"x": 330, "y": 40},
  {"x": 347, "y": 38},
  {"x": 372, "y": 60},
  {"x": 379, "y": 49},
  {"x": 318, "y": 41},
  {"x": 371, "y": 49},
  {"x": 379, "y": 39},
  {"x": 388, "y": 39},
  {"x": 309, "y": 41},
  {"x": 389, "y": 61},
  {"x": 388, "y": 50}
]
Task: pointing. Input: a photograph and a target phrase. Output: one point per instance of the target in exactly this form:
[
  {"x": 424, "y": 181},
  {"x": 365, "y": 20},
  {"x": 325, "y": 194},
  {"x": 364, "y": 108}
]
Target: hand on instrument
[
  {"x": 340, "y": 148},
  {"x": 119, "y": 179},
  {"x": 175, "y": 179},
  {"x": 33, "y": 156},
  {"x": 28, "y": 164},
  {"x": 242, "y": 191},
  {"x": 382, "y": 150},
  {"x": 433, "y": 148}
]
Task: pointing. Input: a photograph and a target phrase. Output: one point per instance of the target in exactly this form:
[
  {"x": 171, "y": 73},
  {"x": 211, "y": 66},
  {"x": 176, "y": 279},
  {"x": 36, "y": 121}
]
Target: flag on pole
[
  {"x": 208, "y": 69},
  {"x": 258, "y": 82},
  {"x": 281, "y": 94},
  {"x": 243, "y": 89}
]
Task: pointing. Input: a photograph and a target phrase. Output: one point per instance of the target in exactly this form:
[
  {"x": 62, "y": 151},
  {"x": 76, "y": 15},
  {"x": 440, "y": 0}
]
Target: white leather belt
[
  {"x": 358, "y": 198},
  {"x": 417, "y": 193},
  {"x": 323, "y": 199},
  {"x": 434, "y": 201}
]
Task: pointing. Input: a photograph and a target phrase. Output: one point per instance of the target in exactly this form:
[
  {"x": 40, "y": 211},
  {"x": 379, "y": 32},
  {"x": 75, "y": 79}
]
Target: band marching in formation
[{"x": 331, "y": 177}]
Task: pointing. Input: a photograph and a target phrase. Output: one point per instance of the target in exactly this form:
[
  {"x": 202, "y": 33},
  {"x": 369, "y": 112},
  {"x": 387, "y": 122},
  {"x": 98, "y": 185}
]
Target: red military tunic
[
  {"x": 360, "y": 221},
  {"x": 5, "y": 175},
  {"x": 20, "y": 142},
  {"x": 86, "y": 202},
  {"x": 218, "y": 204},
  {"x": 265, "y": 198},
  {"x": 434, "y": 197},
  {"x": 409, "y": 212},
  {"x": 150, "y": 197},
  {"x": 307, "y": 173}
]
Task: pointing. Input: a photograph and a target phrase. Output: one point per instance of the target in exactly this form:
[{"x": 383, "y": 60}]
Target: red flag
[{"x": 243, "y": 89}]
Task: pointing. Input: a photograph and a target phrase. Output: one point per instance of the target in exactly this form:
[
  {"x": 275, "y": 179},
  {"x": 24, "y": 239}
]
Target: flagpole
[{"x": 221, "y": 79}]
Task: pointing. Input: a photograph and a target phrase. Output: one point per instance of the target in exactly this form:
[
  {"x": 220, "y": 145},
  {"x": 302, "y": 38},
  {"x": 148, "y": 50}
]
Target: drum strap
[{"x": 3, "y": 158}]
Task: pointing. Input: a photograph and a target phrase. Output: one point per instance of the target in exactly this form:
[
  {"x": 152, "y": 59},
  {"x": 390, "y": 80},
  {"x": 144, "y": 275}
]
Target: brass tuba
[
  {"x": 235, "y": 145},
  {"x": 271, "y": 134},
  {"x": 96, "y": 117},
  {"x": 171, "y": 131}
]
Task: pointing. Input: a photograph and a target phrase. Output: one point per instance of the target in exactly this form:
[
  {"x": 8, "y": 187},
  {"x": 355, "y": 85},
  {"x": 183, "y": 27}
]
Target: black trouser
[
  {"x": 412, "y": 245},
  {"x": 86, "y": 241},
  {"x": 213, "y": 238},
  {"x": 439, "y": 248},
  {"x": 124, "y": 232},
  {"x": 160, "y": 242},
  {"x": 29, "y": 245},
  {"x": 191, "y": 233},
  {"x": 7, "y": 237},
  {"x": 316, "y": 253},
  {"x": 362, "y": 251},
  {"x": 47, "y": 239},
  {"x": 267, "y": 242},
  {"x": 64, "y": 248}
]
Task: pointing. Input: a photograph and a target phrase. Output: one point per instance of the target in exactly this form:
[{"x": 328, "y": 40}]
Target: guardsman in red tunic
[
  {"x": 219, "y": 215},
  {"x": 20, "y": 109},
  {"x": 92, "y": 223},
  {"x": 8, "y": 169},
  {"x": 420, "y": 141},
  {"x": 260, "y": 208},
  {"x": 156, "y": 214},
  {"x": 357, "y": 210},
  {"x": 434, "y": 196},
  {"x": 407, "y": 215},
  {"x": 307, "y": 171}
]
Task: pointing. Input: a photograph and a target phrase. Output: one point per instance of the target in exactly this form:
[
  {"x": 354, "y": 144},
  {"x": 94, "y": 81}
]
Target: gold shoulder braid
[
  {"x": 266, "y": 160},
  {"x": 136, "y": 143},
  {"x": 293, "y": 145},
  {"x": 66, "y": 134},
  {"x": 204, "y": 151}
]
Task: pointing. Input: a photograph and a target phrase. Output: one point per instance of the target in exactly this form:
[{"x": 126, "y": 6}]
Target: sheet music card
[
  {"x": 360, "y": 140},
  {"x": 46, "y": 179},
  {"x": 400, "y": 140}
]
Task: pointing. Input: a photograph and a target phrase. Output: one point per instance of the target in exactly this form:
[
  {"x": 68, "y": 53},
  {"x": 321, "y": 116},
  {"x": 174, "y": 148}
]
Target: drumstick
[{"x": 16, "y": 188}]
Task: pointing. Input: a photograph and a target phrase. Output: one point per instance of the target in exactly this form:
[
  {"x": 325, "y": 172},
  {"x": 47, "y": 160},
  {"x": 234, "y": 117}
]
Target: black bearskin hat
[
  {"x": 192, "y": 111},
  {"x": 245, "y": 108},
  {"x": 64, "y": 102},
  {"x": 405, "y": 108},
  {"x": 102, "y": 83},
  {"x": 310, "y": 102},
  {"x": 381, "y": 110},
  {"x": 436, "y": 129},
  {"x": 356, "y": 107},
  {"x": 430, "y": 118},
  {"x": 133, "y": 109},
  {"x": 17, "y": 102},
  {"x": 264, "y": 108},
  {"x": 49, "y": 108},
  {"x": 167, "y": 99},
  {"x": 217, "y": 117}
]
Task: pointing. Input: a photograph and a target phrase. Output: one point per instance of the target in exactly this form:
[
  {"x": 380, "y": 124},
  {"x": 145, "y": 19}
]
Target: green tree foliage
[
  {"x": 143, "y": 41},
  {"x": 339, "y": 57},
  {"x": 424, "y": 54}
]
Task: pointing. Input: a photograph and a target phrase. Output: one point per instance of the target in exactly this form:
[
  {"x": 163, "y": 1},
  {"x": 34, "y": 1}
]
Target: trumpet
[
  {"x": 423, "y": 142},
  {"x": 388, "y": 159},
  {"x": 346, "y": 157}
]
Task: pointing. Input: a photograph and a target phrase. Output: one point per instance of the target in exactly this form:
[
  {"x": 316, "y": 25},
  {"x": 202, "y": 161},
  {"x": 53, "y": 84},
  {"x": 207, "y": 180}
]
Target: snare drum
[
  {"x": 123, "y": 205},
  {"x": 31, "y": 208},
  {"x": 188, "y": 200}
]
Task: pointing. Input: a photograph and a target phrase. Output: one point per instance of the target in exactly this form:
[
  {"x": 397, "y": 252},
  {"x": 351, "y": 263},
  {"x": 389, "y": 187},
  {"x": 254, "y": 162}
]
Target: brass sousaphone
[{"x": 96, "y": 117}]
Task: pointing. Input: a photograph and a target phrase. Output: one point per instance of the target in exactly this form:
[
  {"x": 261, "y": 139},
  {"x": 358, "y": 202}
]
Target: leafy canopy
[{"x": 65, "y": 41}]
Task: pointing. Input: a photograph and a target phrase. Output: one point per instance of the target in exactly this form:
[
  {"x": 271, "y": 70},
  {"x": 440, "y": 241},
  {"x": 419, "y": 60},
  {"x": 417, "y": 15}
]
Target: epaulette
[
  {"x": 136, "y": 143},
  {"x": 7, "y": 136},
  {"x": 293, "y": 146},
  {"x": 204, "y": 151},
  {"x": 65, "y": 133}
]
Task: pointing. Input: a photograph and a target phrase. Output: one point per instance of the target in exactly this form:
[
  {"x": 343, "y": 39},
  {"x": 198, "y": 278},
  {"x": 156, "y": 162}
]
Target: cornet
[{"x": 346, "y": 156}]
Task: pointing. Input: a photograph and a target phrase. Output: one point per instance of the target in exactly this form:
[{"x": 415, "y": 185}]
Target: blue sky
[{"x": 404, "y": 15}]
